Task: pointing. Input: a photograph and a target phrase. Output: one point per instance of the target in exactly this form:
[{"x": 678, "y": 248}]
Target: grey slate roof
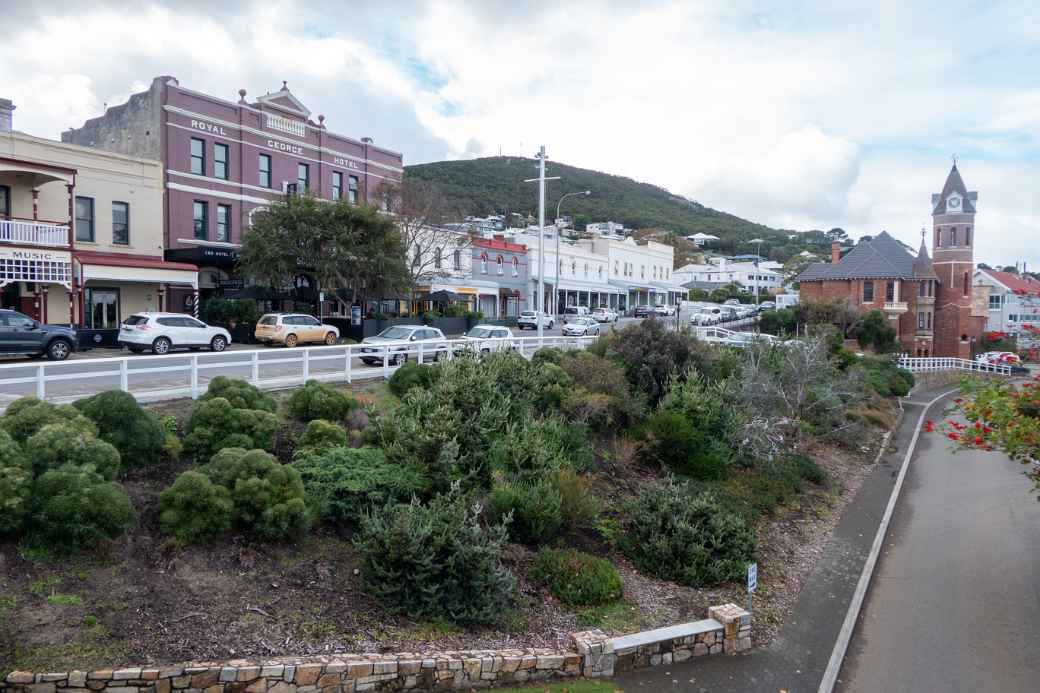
[
  {"x": 883, "y": 257},
  {"x": 954, "y": 182},
  {"x": 923, "y": 268}
]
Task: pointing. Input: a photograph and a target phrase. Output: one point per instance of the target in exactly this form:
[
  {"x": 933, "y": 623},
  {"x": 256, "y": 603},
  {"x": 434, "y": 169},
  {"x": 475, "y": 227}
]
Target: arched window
[
  {"x": 500, "y": 263},
  {"x": 967, "y": 235},
  {"x": 586, "y": 269},
  {"x": 483, "y": 263},
  {"x": 456, "y": 260},
  {"x": 599, "y": 271},
  {"x": 437, "y": 258},
  {"x": 616, "y": 263},
  {"x": 574, "y": 268},
  {"x": 516, "y": 267},
  {"x": 642, "y": 271},
  {"x": 966, "y": 284}
]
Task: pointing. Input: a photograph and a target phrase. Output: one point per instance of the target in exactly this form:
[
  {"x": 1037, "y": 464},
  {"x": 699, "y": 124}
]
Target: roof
[
  {"x": 112, "y": 260},
  {"x": 883, "y": 257},
  {"x": 954, "y": 184},
  {"x": 923, "y": 268},
  {"x": 1013, "y": 282}
]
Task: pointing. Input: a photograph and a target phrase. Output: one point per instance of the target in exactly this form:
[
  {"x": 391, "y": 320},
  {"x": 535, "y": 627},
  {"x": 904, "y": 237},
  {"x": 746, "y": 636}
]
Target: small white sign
[{"x": 752, "y": 577}]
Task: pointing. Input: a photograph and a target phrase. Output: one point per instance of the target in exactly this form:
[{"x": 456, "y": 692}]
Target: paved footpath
[{"x": 797, "y": 658}]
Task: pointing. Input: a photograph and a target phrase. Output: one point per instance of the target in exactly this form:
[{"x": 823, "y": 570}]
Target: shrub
[
  {"x": 435, "y": 561},
  {"x": 134, "y": 431},
  {"x": 268, "y": 496},
  {"x": 316, "y": 400},
  {"x": 604, "y": 376},
  {"x": 15, "y": 498},
  {"x": 885, "y": 377},
  {"x": 577, "y": 578},
  {"x": 27, "y": 415},
  {"x": 216, "y": 424},
  {"x": 411, "y": 375},
  {"x": 578, "y": 506},
  {"x": 533, "y": 505},
  {"x": 194, "y": 509},
  {"x": 171, "y": 443},
  {"x": 343, "y": 482},
  {"x": 806, "y": 468},
  {"x": 240, "y": 394},
  {"x": 75, "y": 507},
  {"x": 548, "y": 355},
  {"x": 59, "y": 444},
  {"x": 874, "y": 330},
  {"x": 321, "y": 434},
  {"x": 689, "y": 537},
  {"x": 11, "y": 454},
  {"x": 651, "y": 353},
  {"x": 692, "y": 432}
]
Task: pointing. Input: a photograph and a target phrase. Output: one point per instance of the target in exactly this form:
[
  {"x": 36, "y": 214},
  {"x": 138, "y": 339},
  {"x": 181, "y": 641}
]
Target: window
[
  {"x": 500, "y": 263},
  {"x": 868, "y": 292},
  {"x": 5, "y": 201},
  {"x": 920, "y": 320},
  {"x": 922, "y": 288},
  {"x": 574, "y": 268},
  {"x": 642, "y": 272},
  {"x": 120, "y": 223},
  {"x": 586, "y": 269},
  {"x": 352, "y": 190},
  {"x": 337, "y": 185},
  {"x": 265, "y": 171},
  {"x": 938, "y": 238},
  {"x": 516, "y": 267},
  {"x": 456, "y": 260},
  {"x": 102, "y": 309},
  {"x": 436, "y": 258},
  {"x": 599, "y": 271},
  {"x": 224, "y": 223},
  {"x": 303, "y": 177},
  {"x": 929, "y": 320},
  {"x": 483, "y": 263},
  {"x": 995, "y": 301},
  {"x": 220, "y": 161},
  {"x": 967, "y": 235},
  {"x": 615, "y": 268},
  {"x": 953, "y": 236},
  {"x": 967, "y": 283},
  {"x": 199, "y": 213},
  {"x": 890, "y": 292},
  {"x": 85, "y": 219},
  {"x": 1012, "y": 318},
  {"x": 198, "y": 156}
]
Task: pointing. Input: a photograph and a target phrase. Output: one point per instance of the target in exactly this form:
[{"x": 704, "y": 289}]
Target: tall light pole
[
  {"x": 758, "y": 254},
  {"x": 556, "y": 258},
  {"x": 539, "y": 314}
]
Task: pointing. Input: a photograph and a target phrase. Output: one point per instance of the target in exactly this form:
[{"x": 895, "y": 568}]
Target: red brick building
[{"x": 930, "y": 302}]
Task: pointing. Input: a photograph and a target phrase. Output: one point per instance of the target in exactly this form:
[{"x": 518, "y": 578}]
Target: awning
[
  {"x": 632, "y": 286},
  {"x": 126, "y": 268},
  {"x": 204, "y": 256},
  {"x": 443, "y": 296}
]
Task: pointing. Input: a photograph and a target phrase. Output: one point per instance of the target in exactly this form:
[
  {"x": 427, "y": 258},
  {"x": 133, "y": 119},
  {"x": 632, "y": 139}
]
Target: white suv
[
  {"x": 529, "y": 320},
  {"x": 162, "y": 332}
]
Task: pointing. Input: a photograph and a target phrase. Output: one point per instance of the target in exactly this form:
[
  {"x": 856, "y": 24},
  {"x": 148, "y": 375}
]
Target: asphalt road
[{"x": 955, "y": 600}]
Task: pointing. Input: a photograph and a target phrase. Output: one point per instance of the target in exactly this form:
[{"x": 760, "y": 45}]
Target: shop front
[{"x": 38, "y": 283}]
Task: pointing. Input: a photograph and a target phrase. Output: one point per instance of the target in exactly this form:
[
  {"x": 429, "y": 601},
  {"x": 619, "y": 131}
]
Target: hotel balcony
[
  {"x": 926, "y": 300},
  {"x": 896, "y": 307},
  {"x": 40, "y": 233}
]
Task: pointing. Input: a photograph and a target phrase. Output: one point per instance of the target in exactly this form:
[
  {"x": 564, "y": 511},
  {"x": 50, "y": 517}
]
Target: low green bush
[
  {"x": 58, "y": 444},
  {"x": 435, "y": 561},
  {"x": 75, "y": 507},
  {"x": 321, "y": 434},
  {"x": 194, "y": 509},
  {"x": 11, "y": 454},
  {"x": 535, "y": 508},
  {"x": 677, "y": 443},
  {"x": 806, "y": 468},
  {"x": 27, "y": 415},
  {"x": 579, "y": 507},
  {"x": 548, "y": 355},
  {"x": 342, "y": 483},
  {"x": 15, "y": 498},
  {"x": 690, "y": 537},
  {"x": 410, "y": 375},
  {"x": 134, "y": 431},
  {"x": 577, "y": 578},
  {"x": 215, "y": 424},
  {"x": 602, "y": 397},
  {"x": 317, "y": 400},
  {"x": 240, "y": 394}
]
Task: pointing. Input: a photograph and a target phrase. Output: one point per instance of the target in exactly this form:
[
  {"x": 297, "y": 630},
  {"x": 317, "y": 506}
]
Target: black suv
[
  {"x": 644, "y": 311},
  {"x": 20, "y": 334}
]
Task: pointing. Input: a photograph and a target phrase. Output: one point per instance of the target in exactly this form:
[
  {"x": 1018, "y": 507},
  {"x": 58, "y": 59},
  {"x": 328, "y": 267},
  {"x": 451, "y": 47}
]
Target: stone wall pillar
[
  {"x": 736, "y": 624},
  {"x": 597, "y": 652}
]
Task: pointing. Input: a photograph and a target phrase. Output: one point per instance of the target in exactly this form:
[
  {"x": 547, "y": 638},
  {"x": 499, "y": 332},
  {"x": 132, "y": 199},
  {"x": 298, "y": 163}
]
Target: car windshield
[
  {"x": 396, "y": 333},
  {"x": 480, "y": 332},
  {"x": 528, "y": 313},
  {"x": 136, "y": 320},
  {"x": 269, "y": 320}
]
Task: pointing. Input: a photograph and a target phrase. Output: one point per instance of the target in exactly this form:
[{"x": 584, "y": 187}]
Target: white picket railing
[
  {"x": 722, "y": 335},
  {"x": 934, "y": 364},
  {"x": 172, "y": 376},
  {"x": 34, "y": 233}
]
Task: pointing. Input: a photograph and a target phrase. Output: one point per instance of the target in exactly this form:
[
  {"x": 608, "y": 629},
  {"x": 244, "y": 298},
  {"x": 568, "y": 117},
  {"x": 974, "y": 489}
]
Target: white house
[
  {"x": 699, "y": 239},
  {"x": 1014, "y": 301},
  {"x": 722, "y": 271},
  {"x": 606, "y": 228}
]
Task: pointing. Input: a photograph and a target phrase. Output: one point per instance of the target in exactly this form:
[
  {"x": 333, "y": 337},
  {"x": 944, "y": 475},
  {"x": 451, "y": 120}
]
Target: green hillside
[{"x": 495, "y": 185}]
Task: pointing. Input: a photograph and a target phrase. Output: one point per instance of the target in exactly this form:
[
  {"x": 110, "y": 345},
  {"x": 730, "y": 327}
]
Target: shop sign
[
  {"x": 285, "y": 147},
  {"x": 33, "y": 255},
  {"x": 208, "y": 127},
  {"x": 346, "y": 163},
  {"x": 221, "y": 253}
]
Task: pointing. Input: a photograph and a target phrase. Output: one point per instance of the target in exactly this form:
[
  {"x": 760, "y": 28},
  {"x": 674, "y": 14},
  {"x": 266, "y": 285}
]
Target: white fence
[
  {"x": 172, "y": 376},
  {"x": 34, "y": 232},
  {"x": 934, "y": 364},
  {"x": 722, "y": 335}
]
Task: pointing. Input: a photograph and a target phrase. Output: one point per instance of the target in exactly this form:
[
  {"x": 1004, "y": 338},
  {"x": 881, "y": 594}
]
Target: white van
[{"x": 571, "y": 312}]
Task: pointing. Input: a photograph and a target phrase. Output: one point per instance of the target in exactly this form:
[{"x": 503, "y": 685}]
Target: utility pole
[
  {"x": 540, "y": 311},
  {"x": 556, "y": 259}
]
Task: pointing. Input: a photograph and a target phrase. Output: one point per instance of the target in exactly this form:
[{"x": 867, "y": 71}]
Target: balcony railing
[
  {"x": 896, "y": 307},
  {"x": 34, "y": 233}
]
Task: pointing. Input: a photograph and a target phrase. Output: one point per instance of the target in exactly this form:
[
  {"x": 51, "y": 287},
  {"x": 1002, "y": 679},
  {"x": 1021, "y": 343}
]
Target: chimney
[
  {"x": 6, "y": 115},
  {"x": 835, "y": 252}
]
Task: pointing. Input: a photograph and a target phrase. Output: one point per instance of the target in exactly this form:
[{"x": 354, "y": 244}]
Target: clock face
[{"x": 954, "y": 202}]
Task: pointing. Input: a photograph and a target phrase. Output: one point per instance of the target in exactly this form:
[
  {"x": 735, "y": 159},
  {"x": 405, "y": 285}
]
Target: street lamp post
[
  {"x": 539, "y": 318},
  {"x": 556, "y": 258}
]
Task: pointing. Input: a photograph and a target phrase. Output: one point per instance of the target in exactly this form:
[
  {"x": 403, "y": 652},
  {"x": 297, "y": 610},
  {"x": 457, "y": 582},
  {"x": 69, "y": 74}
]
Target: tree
[
  {"x": 343, "y": 246},
  {"x": 873, "y": 329},
  {"x": 983, "y": 266},
  {"x": 837, "y": 234},
  {"x": 421, "y": 213},
  {"x": 796, "y": 265}
]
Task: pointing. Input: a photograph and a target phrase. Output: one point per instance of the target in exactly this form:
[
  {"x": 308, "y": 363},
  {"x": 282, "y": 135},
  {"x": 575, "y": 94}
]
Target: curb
[{"x": 830, "y": 675}]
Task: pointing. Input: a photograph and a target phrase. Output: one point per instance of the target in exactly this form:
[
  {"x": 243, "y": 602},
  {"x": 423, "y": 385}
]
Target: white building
[
  {"x": 699, "y": 239},
  {"x": 1014, "y": 301},
  {"x": 722, "y": 271},
  {"x": 606, "y": 228}
]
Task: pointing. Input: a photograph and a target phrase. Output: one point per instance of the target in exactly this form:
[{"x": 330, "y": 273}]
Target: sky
[{"x": 793, "y": 114}]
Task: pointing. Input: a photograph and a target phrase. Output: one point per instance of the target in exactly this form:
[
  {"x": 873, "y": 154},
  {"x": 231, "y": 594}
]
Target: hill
[{"x": 496, "y": 185}]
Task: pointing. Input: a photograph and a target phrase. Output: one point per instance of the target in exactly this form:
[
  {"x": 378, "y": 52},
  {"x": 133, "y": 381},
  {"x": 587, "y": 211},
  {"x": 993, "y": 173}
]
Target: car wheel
[
  {"x": 58, "y": 350},
  {"x": 398, "y": 359},
  {"x": 218, "y": 344},
  {"x": 162, "y": 345},
  {"x": 291, "y": 340},
  {"x": 551, "y": 324},
  {"x": 330, "y": 339}
]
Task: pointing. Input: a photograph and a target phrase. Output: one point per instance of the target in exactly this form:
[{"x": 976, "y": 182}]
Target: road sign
[{"x": 752, "y": 577}]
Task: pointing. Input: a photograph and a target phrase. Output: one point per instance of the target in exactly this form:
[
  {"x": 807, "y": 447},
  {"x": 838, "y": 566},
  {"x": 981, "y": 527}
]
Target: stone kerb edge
[{"x": 591, "y": 654}]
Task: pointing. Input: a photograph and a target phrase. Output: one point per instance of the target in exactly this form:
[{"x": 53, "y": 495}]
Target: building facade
[
  {"x": 222, "y": 160},
  {"x": 1012, "y": 304},
  {"x": 723, "y": 271},
  {"x": 499, "y": 275},
  {"x": 81, "y": 235}
]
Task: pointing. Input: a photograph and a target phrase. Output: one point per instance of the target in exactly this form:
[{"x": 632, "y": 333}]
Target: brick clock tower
[{"x": 959, "y": 318}]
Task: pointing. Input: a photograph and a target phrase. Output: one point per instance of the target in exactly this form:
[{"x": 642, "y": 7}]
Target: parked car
[
  {"x": 664, "y": 310},
  {"x": 486, "y": 338},
  {"x": 529, "y": 320},
  {"x": 434, "y": 344},
  {"x": 644, "y": 311},
  {"x": 572, "y": 312},
  {"x": 581, "y": 327},
  {"x": 706, "y": 315},
  {"x": 20, "y": 334},
  {"x": 767, "y": 305},
  {"x": 731, "y": 302},
  {"x": 163, "y": 332},
  {"x": 999, "y": 358},
  {"x": 291, "y": 329},
  {"x": 728, "y": 312},
  {"x": 604, "y": 315}
]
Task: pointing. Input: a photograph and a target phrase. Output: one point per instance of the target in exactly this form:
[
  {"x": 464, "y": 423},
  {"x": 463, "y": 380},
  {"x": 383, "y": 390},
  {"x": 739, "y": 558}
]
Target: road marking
[{"x": 841, "y": 645}]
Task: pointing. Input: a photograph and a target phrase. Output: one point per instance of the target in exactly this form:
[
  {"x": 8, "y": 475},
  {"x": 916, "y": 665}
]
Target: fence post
[
  {"x": 306, "y": 364},
  {"x": 255, "y": 367},
  {"x": 386, "y": 363},
  {"x": 347, "y": 365},
  {"x": 420, "y": 352},
  {"x": 194, "y": 377},
  {"x": 124, "y": 384},
  {"x": 40, "y": 388}
]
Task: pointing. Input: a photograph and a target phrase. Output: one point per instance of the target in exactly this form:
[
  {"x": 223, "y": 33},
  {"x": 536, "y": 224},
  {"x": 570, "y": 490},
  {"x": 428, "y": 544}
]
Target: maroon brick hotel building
[
  {"x": 930, "y": 301},
  {"x": 224, "y": 159}
]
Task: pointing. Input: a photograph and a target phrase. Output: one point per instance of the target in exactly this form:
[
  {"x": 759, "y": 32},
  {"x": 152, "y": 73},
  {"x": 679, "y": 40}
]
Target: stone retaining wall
[{"x": 591, "y": 654}]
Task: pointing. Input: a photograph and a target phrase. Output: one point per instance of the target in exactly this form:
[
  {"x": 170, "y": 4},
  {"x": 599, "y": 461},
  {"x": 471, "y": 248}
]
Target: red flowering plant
[{"x": 998, "y": 415}]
